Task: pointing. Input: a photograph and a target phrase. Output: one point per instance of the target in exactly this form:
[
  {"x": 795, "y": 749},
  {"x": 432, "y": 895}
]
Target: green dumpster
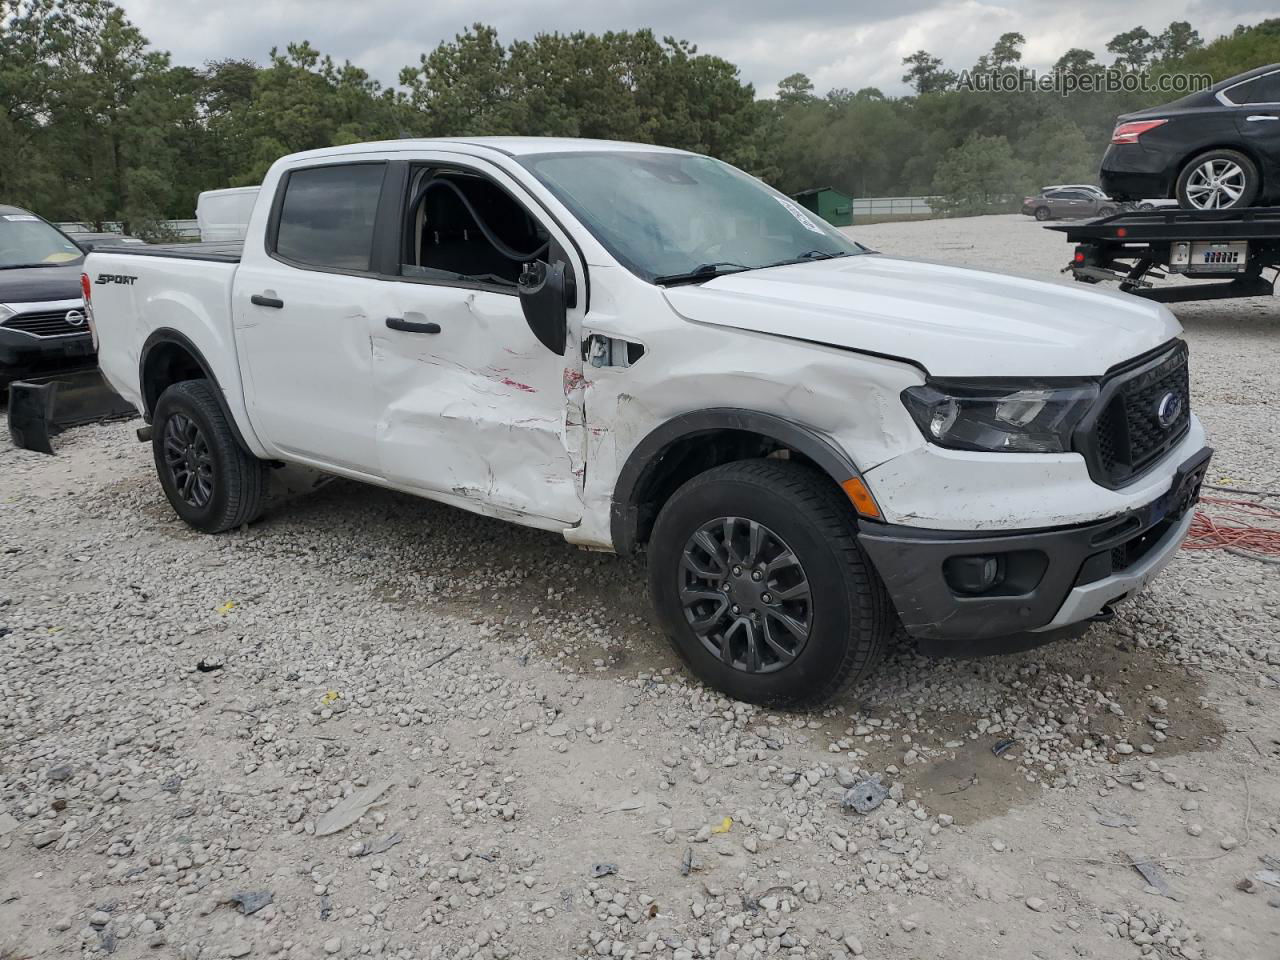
[{"x": 830, "y": 204}]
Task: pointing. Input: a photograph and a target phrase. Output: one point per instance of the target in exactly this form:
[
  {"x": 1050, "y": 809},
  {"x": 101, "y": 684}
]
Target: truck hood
[
  {"x": 953, "y": 321},
  {"x": 37, "y": 284}
]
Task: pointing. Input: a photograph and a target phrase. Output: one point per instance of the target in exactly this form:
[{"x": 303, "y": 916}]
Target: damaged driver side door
[{"x": 473, "y": 407}]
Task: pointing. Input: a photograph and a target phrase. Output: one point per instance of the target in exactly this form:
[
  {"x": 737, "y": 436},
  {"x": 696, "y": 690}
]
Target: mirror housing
[{"x": 545, "y": 301}]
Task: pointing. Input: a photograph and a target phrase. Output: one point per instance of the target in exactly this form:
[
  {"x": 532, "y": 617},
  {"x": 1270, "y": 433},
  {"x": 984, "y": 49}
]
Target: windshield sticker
[
  {"x": 800, "y": 215},
  {"x": 20, "y": 216}
]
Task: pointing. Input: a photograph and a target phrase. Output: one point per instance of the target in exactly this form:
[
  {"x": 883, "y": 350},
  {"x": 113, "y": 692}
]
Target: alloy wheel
[
  {"x": 1215, "y": 184},
  {"x": 186, "y": 454},
  {"x": 745, "y": 595}
]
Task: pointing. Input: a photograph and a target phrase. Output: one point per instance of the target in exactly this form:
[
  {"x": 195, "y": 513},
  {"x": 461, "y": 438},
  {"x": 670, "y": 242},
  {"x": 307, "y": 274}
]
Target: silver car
[{"x": 1069, "y": 202}]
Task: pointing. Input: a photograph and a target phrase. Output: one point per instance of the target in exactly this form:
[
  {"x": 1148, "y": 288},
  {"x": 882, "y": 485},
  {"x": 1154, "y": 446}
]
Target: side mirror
[{"x": 544, "y": 300}]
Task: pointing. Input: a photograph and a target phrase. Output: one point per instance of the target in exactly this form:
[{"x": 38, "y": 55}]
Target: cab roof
[{"x": 509, "y": 146}]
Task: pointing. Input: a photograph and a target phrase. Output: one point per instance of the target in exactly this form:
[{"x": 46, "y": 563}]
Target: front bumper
[
  {"x": 24, "y": 355},
  {"x": 1052, "y": 578}
]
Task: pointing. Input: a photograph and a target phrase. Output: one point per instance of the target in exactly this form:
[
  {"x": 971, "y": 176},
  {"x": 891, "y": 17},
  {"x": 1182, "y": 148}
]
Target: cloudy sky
[{"x": 838, "y": 43}]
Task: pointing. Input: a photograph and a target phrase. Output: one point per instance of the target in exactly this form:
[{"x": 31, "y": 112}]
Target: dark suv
[
  {"x": 1214, "y": 150},
  {"x": 43, "y": 327}
]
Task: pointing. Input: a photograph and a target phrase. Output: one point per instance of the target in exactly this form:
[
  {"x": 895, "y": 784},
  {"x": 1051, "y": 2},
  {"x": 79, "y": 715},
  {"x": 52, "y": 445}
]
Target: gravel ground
[{"x": 373, "y": 726}]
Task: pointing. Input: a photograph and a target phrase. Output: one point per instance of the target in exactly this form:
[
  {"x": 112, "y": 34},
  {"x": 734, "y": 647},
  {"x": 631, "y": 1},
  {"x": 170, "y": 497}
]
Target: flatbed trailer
[{"x": 1229, "y": 250}]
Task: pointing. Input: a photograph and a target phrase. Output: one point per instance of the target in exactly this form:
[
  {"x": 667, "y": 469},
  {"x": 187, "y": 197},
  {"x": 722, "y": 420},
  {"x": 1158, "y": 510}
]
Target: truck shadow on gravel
[
  {"x": 587, "y": 610},
  {"x": 589, "y": 613}
]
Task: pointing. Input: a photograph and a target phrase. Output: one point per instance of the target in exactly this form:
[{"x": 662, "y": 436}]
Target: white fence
[
  {"x": 186, "y": 229},
  {"x": 891, "y": 207},
  {"x": 182, "y": 229}
]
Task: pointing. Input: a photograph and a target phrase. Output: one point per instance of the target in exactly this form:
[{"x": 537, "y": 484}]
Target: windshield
[
  {"x": 670, "y": 215},
  {"x": 27, "y": 241}
]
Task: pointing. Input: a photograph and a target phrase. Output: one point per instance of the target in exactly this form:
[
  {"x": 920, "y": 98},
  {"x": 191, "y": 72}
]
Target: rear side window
[
  {"x": 327, "y": 215},
  {"x": 1264, "y": 89}
]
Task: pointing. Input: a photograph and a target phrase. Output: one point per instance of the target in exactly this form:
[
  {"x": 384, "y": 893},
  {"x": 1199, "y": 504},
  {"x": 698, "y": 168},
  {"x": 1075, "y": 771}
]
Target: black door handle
[
  {"x": 408, "y": 326},
  {"x": 260, "y": 301}
]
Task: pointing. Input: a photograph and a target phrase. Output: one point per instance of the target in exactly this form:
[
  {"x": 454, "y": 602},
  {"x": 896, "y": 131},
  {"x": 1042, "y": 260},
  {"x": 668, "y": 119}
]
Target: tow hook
[{"x": 1105, "y": 615}]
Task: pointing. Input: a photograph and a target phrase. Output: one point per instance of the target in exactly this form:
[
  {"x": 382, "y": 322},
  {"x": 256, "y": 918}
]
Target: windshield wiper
[
  {"x": 704, "y": 271},
  {"x": 812, "y": 255}
]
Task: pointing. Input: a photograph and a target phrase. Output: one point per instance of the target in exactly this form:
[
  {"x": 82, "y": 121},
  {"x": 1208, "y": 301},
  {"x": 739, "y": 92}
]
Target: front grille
[
  {"x": 1127, "y": 437},
  {"x": 47, "y": 323}
]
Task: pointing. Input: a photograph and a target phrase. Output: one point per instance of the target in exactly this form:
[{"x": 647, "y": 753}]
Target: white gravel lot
[{"x": 509, "y": 706}]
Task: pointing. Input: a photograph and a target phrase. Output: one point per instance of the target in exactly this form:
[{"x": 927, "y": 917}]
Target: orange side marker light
[{"x": 861, "y": 497}]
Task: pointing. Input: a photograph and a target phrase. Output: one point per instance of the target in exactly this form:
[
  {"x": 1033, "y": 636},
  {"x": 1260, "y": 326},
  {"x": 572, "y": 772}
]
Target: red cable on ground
[{"x": 1236, "y": 535}]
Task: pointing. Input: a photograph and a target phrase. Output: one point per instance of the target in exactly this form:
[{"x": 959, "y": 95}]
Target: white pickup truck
[{"x": 645, "y": 348}]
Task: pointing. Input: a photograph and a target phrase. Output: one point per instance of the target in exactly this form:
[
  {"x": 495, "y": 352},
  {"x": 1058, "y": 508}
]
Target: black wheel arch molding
[
  {"x": 167, "y": 335},
  {"x": 647, "y": 456}
]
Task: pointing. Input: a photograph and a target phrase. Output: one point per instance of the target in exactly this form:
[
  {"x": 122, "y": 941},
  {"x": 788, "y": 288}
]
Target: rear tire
[
  {"x": 212, "y": 482},
  {"x": 1042, "y": 214},
  {"x": 776, "y": 510},
  {"x": 1219, "y": 180}
]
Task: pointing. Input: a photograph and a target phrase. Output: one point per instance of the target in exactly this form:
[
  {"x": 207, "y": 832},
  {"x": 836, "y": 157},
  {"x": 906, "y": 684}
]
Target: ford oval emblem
[
  {"x": 74, "y": 318},
  {"x": 1169, "y": 409}
]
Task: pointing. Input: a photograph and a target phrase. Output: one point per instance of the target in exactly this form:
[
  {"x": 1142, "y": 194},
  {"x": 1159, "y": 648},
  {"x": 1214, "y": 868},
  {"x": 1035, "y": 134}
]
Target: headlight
[
  {"x": 5, "y": 313},
  {"x": 1000, "y": 416}
]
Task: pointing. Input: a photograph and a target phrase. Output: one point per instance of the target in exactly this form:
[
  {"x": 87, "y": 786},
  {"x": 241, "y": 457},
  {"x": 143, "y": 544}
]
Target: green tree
[
  {"x": 95, "y": 119},
  {"x": 1058, "y": 151},
  {"x": 925, "y": 73},
  {"x": 459, "y": 88},
  {"x": 1177, "y": 40},
  {"x": 979, "y": 176},
  {"x": 1076, "y": 61},
  {"x": 32, "y": 44},
  {"x": 626, "y": 85},
  {"x": 1133, "y": 48},
  {"x": 95, "y": 124},
  {"x": 794, "y": 90},
  {"x": 303, "y": 100},
  {"x": 1007, "y": 50},
  {"x": 1243, "y": 49}
]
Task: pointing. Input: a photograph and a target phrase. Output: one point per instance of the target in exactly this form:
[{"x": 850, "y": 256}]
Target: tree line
[{"x": 97, "y": 125}]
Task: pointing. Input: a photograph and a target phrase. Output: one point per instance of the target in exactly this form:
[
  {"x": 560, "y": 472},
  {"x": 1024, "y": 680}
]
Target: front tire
[
  {"x": 1042, "y": 214},
  {"x": 1219, "y": 180},
  {"x": 212, "y": 482},
  {"x": 760, "y": 584}
]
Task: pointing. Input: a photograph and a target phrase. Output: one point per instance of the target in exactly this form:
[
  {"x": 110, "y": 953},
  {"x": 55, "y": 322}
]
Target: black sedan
[
  {"x": 43, "y": 326},
  {"x": 1214, "y": 150}
]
